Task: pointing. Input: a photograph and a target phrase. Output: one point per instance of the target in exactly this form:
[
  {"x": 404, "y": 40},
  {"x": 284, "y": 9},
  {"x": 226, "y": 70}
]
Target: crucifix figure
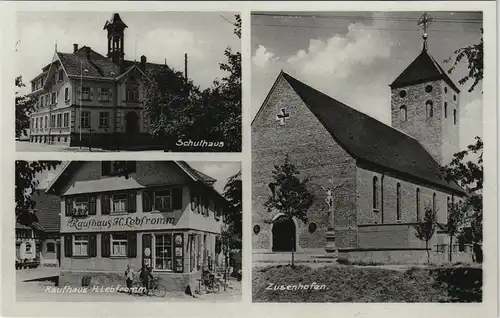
[
  {"x": 282, "y": 116},
  {"x": 424, "y": 22},
  {"x": 329, "y": 200}
]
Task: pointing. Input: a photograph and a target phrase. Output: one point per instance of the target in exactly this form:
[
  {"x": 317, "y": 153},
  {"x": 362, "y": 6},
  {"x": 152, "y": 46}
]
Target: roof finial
[
  {"x": 424, "y": 22},
  {"x": 55, "y": 47}
]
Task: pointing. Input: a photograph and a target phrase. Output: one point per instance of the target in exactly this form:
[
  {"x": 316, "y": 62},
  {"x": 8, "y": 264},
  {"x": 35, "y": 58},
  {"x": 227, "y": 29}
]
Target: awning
[{"x": 103, "y": 185}]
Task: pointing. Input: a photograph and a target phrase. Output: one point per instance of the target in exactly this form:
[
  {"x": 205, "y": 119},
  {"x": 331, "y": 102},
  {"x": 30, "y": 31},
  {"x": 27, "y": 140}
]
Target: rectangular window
[
  {"x": 86, "y": 93},
  {"x": 53, "y": 99},
  {"x": 52, "y": 121},
  {"x": 81, "y": 206},
  {"x": 119, "y": 244},
  {"x": 163, "y": 200},
  {"x": 85, "y": 120},
  {"x": 60, "y": 75},
  {"x": 132, "y": 95},
  {"x": 119, "y": 202},
  {"x": 41, "y": 122},
  {"x": 104, "y": 119},
  {"x": 59, "y": 120},
  {"x": 66, "y": 120},
  {"x": 66, "y": 93},
  {"x": 163, "y": 260},
  {"x": 46, "y": 121},
  {"x": 105, "y": 94},
  {"x": 81, "y": 245},
  {"x": 42, "y": 101},
  {"x": 36, "y": 123}
]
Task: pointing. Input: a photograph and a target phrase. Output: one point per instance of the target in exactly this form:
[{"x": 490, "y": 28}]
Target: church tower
[
  {"x": 115, "y": 27},
  {"x": 425, "y": 103}
]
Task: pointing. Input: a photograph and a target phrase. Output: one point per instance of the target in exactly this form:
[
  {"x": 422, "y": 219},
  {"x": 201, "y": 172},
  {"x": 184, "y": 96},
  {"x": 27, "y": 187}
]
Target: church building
[
  {"x": 380, "y": 178},
  {"x": 85, "y": 97},
  {"x": 161, "y": 214}
]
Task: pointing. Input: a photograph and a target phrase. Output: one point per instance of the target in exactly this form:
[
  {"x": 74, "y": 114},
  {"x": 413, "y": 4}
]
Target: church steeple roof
[{"x": 423, "y": 69}]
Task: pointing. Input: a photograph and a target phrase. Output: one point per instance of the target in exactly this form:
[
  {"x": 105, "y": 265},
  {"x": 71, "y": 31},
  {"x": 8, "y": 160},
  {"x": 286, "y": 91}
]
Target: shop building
[{"x": 164, "y": 214}]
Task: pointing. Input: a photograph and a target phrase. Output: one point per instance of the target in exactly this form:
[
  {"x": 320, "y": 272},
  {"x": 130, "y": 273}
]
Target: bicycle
[
  {"x": 211, "y": 284},
  {"x": 155, "y": 288}
]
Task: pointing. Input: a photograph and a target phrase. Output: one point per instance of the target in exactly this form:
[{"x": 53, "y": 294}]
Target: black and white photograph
[
  {"x": 128, "y": 81},
  {"x": 367, "y": 156},
  {"x": 123, "y": 231}
]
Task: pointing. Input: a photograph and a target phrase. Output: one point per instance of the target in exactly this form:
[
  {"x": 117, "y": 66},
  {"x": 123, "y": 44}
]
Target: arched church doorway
[
  {"x": 132, "y": 123},
  {"x": 283, "y": 235}
]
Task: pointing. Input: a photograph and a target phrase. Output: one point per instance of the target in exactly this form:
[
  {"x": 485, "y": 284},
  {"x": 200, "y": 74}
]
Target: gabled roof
[
  {"x": 370, "y": 140},
  {"x": 193, "y": 174},
  {"x": 48, "y": 208},
  {"x": 423, "y": 69}
]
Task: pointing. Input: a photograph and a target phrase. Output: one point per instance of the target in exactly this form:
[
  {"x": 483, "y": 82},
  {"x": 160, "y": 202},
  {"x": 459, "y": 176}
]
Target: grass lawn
[{"x": 367, "y": 284}]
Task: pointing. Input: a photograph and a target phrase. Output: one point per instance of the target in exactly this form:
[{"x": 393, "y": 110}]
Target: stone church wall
[{"x": 316, "y": 155}]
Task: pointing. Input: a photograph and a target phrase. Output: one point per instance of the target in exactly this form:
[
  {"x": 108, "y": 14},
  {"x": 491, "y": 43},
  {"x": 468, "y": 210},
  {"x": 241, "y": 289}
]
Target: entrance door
[
  {"x": 283, "y": 235},
  {"x": 58, "y": 253},
  {"x": 132, "y": 123}
]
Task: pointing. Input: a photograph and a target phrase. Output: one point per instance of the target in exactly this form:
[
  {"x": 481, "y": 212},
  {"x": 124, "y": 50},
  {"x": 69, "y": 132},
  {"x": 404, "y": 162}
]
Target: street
[
  {"x": 37, "y": 285},
  {"x": 24, "y": 146}
]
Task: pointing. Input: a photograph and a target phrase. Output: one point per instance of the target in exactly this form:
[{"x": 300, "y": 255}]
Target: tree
[
  {"x": 24, "y": 107},
  {"x": 425, "y": 228},
  {"x": 474, "y": 58},
  {"x": 171, "y": 103},
  {"x": 468, "y": 173},
  {"x": 233, "y": 218},
  {"x": 26, "y": 185},
  {"x": 290, "y": 195},
  {"x": 180, "y": 110},
  {"x": 228, "y": 238},
  {"x": 456, "y": 215}
]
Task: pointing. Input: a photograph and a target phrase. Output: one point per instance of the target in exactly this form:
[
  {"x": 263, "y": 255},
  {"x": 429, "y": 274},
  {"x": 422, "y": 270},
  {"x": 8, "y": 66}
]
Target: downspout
[{"x": 382, "y": 198}]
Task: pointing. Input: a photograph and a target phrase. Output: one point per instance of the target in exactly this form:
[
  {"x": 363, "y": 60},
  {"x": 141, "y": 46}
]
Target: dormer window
[
  {"x": 402, "y": 113},
  {"x": 429, "y": 111}
]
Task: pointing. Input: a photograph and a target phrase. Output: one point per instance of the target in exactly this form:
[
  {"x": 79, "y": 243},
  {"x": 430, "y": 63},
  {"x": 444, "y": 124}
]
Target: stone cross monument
[{"x": 330, "y": 234}]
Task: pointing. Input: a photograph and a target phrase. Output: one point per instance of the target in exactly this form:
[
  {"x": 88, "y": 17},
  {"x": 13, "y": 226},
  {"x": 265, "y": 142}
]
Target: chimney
[
  {"x": 142, "y": 65},
  {"x": 75, "y": 48},
  {"x": 87, "y": 52}
]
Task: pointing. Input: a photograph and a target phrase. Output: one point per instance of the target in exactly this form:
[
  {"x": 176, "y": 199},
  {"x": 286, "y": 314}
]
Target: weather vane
[{"x": 424, "y": 22}]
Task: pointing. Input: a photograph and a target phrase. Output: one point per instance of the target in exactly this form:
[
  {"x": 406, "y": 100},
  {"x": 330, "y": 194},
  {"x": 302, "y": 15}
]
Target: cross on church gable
[{"x": 282, "y": 116}]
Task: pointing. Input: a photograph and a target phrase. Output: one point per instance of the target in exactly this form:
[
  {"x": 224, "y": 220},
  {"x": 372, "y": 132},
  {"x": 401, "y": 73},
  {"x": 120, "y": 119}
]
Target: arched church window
[
  {"x": 429, "y": 109},
  {"x": 402, "y": 113},
  {"x": 398, "y": 202},
  {"x": 402, "y": 94},
  {"x": 375, "y": 193},
  {"x": 418, "y": 204},
  {"x": 455, "y": 97},
  {"x": 428, "y": 88},
  {"x": 434, "y": 202},
  {"x": 446, "y": 90},
  {"x": 454, "y": 116},
  {"x": 445, "y": 110}
]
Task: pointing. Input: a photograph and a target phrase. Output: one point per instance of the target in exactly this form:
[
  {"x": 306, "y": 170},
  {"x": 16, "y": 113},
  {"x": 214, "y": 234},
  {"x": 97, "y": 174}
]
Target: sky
[
  {"x": 221, "y": 171},
  {"x": 158, "y": 35},
  {"x": 354, "y": 56}
]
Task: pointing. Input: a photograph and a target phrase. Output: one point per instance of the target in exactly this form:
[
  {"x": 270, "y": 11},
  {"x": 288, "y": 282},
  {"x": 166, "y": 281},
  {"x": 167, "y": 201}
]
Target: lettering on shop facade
[{"x": 120, "y": 222}]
